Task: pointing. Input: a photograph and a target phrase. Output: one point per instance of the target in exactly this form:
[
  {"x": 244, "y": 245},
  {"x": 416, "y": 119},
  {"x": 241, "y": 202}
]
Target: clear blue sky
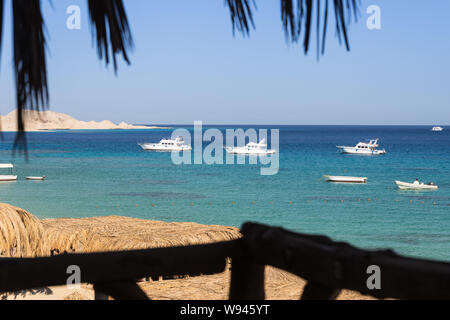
[{"x": 188, "y": 66}]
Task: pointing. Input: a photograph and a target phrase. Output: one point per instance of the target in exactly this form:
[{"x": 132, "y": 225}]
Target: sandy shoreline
[{"x": 41, "y": 237}]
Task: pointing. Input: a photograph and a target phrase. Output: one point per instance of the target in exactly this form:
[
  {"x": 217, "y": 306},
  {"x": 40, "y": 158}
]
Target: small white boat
[
  {"x": 364, "y": 148},
  {"x": 36, "y": 178},
  {"x": 251, "y": 148},
  {"x": 343, "y": 179},
  {"x": 9, "y": 177},
  {"x": 167, "y": 145},
  {"x": 416, "y": 185},
  {"x": 437, "y": 129}
]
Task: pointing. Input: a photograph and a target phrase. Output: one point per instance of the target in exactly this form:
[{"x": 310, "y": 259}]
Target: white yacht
[
  {"x": 251, "y": 148},
  {"x": 8, "y": 177},
  {"x": 364, "y": 148},
  {"x": 437, "y": 129},
  {"x": 167, "y": 145}
]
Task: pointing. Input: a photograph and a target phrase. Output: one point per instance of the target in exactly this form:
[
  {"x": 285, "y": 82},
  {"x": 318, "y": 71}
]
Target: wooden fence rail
[
  {"x": 330, "y": 266},
  {"x": 327, "y": 266},
  {"x": 111, "y": 272}
]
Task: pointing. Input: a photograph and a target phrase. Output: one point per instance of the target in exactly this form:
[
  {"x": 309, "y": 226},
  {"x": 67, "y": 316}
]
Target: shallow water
[{"x": 95, "y": 173}]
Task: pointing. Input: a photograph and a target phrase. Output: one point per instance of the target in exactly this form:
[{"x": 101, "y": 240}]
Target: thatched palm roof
[
  {"x": 113, "y": 37},
  {"x": 23, "y": 235}
]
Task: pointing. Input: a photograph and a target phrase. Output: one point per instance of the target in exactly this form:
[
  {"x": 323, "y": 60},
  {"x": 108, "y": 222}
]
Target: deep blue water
[{"x": 95, "y": 173}]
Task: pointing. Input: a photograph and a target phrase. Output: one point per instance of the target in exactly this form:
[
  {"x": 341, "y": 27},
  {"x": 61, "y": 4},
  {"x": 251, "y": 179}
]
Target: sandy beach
[{"x": 41, "y": 237}]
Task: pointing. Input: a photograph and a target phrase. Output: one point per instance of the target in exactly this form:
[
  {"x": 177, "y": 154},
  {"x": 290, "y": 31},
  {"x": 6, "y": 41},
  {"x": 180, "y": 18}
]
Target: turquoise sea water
[{"x": 96, "y": 173}]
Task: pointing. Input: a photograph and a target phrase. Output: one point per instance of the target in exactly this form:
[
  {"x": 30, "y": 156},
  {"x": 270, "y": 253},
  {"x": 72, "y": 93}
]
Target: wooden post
[
  {"x": 317, "y": 291},
  {"x": 100, "y": 295},
  {"x": 247, "y": 280},
  {"x": 329, "y": 265}
]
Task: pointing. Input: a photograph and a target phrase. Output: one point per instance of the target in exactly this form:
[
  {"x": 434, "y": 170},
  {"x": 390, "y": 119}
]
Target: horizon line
[{"x": 286, "y": 125}]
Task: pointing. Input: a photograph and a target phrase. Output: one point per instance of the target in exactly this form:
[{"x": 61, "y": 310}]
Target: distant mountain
[{"x": 50, "y": 120}]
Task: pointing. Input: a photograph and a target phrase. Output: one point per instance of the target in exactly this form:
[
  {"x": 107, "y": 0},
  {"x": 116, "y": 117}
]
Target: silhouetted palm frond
[
  {"x": 297, "y": 17},
  {"x": 29, "y": 60},
  {"x": 110, "y": 15},
  {"x": 1, "y": 25},
  {"x": 241, "y": 15}
]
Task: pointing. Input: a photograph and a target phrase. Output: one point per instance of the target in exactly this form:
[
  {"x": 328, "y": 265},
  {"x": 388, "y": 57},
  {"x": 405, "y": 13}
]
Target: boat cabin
[
  {"x": 7, "y": 166},
  {"x": 372, "y": 144}
]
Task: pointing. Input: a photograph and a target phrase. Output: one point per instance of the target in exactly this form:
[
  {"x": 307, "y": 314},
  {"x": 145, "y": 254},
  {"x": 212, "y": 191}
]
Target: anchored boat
[
  {"x": 251, "y": 148},
  {"x": 36, "y": 178},
  {"x": 364, "y": 148},
  {"x": 167, "y": 145},
  {"x": 416, "y": 185},
  {"x": 437, "y": 129},
  {"x": 9, "y": 177},
  {"x": 343, "y": 179}
]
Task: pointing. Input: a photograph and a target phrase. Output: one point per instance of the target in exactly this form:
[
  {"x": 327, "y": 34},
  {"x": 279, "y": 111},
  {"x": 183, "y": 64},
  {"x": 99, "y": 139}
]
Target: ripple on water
[
  {"x": 426, "y": 197},
  {"x": 161, "y": 195},
  {"x": 333, "y": 198},
  {"x": 411, "y": 238},
  {"x": 154, "y": 182},
  {"x": 207, "y": 174},
  {"x": 419, "y": 169}
]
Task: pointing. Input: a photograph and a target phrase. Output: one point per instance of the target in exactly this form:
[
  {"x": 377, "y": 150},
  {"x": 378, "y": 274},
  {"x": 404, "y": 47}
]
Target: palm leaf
[
  {"x": 1, "y": 24},
  {"x": 241, "y": 15},
  {"x": 30, "y": 68},
  {"x": 297, "y": 16},
  {"x": 111, "y": 29}
]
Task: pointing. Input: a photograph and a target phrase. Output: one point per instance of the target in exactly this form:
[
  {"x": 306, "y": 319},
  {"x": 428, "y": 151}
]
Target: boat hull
[
  {"x": 251, "y": 153},
  {"x": 35, "y": 178},
  {"x": 353, "y": 150},
  {"x": 410, "y": 186},
  {"x": 342, "y": 179},
  {"x": 245, "y": 151},
  {"x": 156, "y": 148},
  {"x": 6, "y": 178}
]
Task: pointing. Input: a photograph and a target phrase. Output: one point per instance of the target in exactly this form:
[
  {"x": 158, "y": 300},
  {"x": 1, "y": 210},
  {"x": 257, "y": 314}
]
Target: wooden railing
[{"x": 327, "y": 266}]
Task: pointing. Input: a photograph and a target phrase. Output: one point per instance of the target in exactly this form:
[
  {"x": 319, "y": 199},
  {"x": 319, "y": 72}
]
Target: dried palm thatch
[
  {"x": 21, "y": 234},
  {"x": 112, "y": 34},
  {"x": 121, "y": 233}
]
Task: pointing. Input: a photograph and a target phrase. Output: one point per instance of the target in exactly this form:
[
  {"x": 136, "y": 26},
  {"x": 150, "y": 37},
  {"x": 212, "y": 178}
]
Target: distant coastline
[{"x": 41, "y": 121}]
